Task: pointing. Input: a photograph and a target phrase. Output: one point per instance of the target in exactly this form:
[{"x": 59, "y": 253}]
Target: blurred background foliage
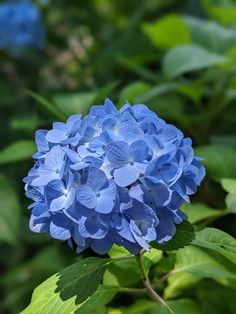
[{"x": 176, "y": 56}]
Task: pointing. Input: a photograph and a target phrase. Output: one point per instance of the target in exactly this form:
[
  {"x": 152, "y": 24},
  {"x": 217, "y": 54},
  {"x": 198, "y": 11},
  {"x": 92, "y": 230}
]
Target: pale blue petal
[
  {"x": 105, "y": 204},
  {"x": 117, "y": 154},
  {"x": 58, "y": 203},
  {"x": 126, "y": 175},
  {"x": 138, "y": 151},
  {"x": 56, "y": 136},
  {"x": 72, "y": 155},
  {"x": 87, "y": 197},
  {"x": 138, "y": 236},
  {"x": 58, "y": 232},
  {"x": 55, "y": 158},
  {"x": 70, "y": 198},
  {"x": 96, "y": 179}
]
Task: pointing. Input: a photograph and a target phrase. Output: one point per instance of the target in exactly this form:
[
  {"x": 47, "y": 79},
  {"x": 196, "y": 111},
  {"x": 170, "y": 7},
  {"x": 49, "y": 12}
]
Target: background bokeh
[{"x": 176, "y": 56}]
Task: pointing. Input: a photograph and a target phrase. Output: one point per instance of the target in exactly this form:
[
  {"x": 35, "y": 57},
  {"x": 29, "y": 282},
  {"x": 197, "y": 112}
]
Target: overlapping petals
[{"x": 112, "y": 177}]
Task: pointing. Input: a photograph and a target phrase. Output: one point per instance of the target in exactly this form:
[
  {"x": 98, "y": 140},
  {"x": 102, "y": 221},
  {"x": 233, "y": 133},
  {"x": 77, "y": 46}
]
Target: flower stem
[
  {"x": 152, "y": 293},
  {"x": 132, "y": 290}
]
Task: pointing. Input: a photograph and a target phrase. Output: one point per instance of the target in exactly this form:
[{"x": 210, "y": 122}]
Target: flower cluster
[
  {"x": 20, "y": 26},
  {"x": 112, "y": 177}
]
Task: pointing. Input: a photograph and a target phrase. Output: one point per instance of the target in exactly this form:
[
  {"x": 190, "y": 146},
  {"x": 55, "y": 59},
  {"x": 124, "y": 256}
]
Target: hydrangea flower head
[
  {"x": 113, "y": 176},
  {"x": 20, "y": 26}
]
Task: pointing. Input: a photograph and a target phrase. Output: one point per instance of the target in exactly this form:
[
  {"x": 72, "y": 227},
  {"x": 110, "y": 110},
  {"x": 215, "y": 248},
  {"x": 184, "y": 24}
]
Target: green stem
[
  {"x": 152, "y": 293},
  {"x": 132, "y": 290}
]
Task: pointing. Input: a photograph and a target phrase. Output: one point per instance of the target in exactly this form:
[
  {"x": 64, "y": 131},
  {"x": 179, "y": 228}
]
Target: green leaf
[
  {"x": 101, "y": 297},
  {"x": 230, "y": 186},
  {"x": 21, "y": 150},
  {"x": 184, "y": 236},
  {"x": 47, "y": 105},
  {"x": 218, "y": 241},
  {"x": 151, "y": 258},
  {"x": 74, "y": 103},
  {"x": 198, "y": 211},
  {"x": 211, "y": 35},
  {"x": 178, "y": 283},
  {"x": 118, "y": 251},
  {"x": 223, "y": 11},
  {"x": 132, "y": 91},
  {"x": 218, "y": 160},
  {"x": 188, "y": 58},
  {"x": 9, "y": 212},
  {"x": 199, "y": 262},
  {"x": 71, "y": 289},
  {"x": 167, "y": 32},
  {"x": 123, "y": 273},
  {"x": 154, "y": 92}
]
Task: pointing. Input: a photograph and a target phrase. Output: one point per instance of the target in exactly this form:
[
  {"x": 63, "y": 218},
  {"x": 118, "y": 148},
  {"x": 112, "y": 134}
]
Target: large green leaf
[
  {"x": 188, "y": 58},
  {"x": 198, "y": 211},
  {"x": 184, "y": 236},
  {"x": 21, "y": 150},
  {"x": 199, "y": 262},
  {"x": 211, "y": 35},
  {"x": 218, "y": 160},
  {"x": 167, "y": 32},
  {"x": 9, "y": 212},
  {"x": 71, "y": 289},
  {"x": 217, "y": 240}
]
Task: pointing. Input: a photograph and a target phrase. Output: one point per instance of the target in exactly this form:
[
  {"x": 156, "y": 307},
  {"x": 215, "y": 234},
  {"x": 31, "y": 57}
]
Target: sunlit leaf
[
  {"x": 217, "y": 240},
  {"x": 167, "y": 32},
  {"x": 199, "y": 262},
  {"x": 73, "y": 289}
]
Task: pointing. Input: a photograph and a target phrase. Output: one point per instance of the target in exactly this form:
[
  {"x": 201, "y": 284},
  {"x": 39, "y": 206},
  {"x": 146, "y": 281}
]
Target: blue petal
[
  {"x": 117, "y": 154},
  {"x": 72, "y": 155},
  {"x": 96, "y": 179},
  {"x": 56, "y": 136},
  {"x": 58, "y": 203},
  {"x": 138, "y": 151},
  {"x": 126, "y": 175},
  {"x": 59, "y": 228},
  {"x": 105, "y": 204},
  {"x": 55, "y": 158},
  {"x": 40, "y": 140},
  {"x": 87, "y": 197},
  {"x": 89, "y": 227},
  {"x": 138, "y": 236},
  {"x": 101, "y": 246},
  {"x": 110, "y": 107}
]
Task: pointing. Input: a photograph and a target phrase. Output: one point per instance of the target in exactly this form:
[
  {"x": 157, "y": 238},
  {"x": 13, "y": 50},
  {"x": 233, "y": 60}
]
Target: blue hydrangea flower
[
  {"x": 113, "y": 176},
  {"x": 20, "y": 26}
]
